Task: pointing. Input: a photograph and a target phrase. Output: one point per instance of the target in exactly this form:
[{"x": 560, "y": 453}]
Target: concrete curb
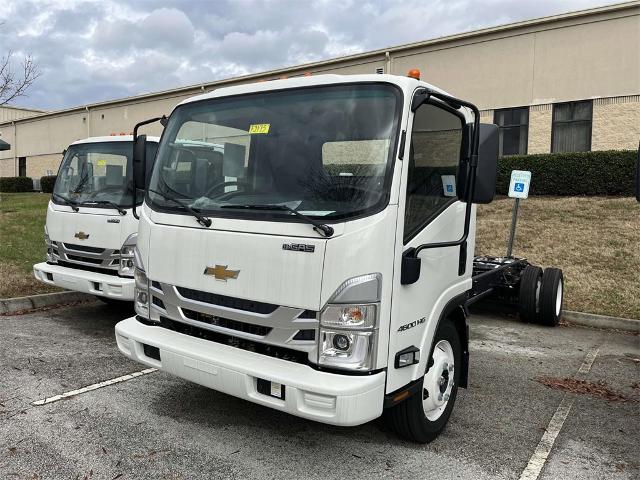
[
  {"x": 601, "y": 321},
  {"x": 18, "y": 304}
]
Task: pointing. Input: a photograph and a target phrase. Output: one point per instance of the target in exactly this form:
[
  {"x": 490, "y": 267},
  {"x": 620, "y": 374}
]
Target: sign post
[{"x": 518, "y": 188}]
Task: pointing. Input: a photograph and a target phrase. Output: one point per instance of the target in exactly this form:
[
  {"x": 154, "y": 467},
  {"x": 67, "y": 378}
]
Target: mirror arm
[
  {"x": 471, "y": 173},
  {"x": 163, "y": 121}
]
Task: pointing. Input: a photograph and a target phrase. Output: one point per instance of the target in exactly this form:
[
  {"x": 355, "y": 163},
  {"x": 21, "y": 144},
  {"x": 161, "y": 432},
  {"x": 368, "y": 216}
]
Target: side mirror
[
  {"x": 140, "y": 163},
  {"x": 487, "y": 171}
]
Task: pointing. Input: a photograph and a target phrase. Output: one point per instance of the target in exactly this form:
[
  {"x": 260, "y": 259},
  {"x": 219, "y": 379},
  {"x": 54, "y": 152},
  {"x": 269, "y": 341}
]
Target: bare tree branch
[{"x": 14, "y": 85}]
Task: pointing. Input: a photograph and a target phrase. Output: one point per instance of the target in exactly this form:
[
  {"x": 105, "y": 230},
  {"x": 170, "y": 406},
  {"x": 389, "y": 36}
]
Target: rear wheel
[
  {"x": 421, "y": 417},
  {"x": 551, "y": 297},
  {"x": 528, "y": 302}
]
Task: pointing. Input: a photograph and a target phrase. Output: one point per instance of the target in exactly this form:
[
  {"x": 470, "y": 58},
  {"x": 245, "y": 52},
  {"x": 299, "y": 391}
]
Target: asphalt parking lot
[{"x": 158, "y": 426}]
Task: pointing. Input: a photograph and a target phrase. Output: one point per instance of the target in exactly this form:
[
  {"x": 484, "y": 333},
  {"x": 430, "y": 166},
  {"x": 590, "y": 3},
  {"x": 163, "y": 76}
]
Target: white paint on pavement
[
  {"x": 542, "y": 451},
  {"x": 95, "y": 386},
  {"x": 588, "y": 360}
]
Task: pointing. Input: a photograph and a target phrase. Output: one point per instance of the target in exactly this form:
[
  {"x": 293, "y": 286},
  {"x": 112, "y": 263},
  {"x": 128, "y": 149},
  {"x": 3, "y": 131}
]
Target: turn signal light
[{"x": 414, "y": 73}]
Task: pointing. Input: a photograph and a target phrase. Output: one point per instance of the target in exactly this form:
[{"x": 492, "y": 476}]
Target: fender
[{"x": 456, "y": 311}]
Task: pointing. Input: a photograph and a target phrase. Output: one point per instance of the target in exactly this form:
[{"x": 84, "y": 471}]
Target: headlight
[
  {"x": 52, "y": 250},
  {"x": 141, "y": 292},
  {"x": 348, "y": 349},
  {"x": 127, "y": 253},
  {"x": 349, "y": 331},
  {"x": 350, "y": 316}
]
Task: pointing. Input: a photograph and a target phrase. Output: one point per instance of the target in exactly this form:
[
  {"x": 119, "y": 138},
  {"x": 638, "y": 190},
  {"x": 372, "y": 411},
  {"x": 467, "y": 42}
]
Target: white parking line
[
  {"x": 95, "y": 386},
  {"x": 542, "y": 451},
  {"x": 588, "y": 360},
  {"x": 539, "y": 457}
]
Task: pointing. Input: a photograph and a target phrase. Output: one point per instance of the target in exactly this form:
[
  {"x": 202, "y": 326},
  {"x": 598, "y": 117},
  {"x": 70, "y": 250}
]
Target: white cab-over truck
[
  {"x": 321, "y": 263},
  {"x": 90, "y": 231}
]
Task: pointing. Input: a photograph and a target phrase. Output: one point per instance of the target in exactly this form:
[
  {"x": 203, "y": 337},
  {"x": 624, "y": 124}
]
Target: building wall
[
  {"x": 539, "y": 140},
  {"x": 616, "y": 123},
  {"x": 8, "y": 113}
]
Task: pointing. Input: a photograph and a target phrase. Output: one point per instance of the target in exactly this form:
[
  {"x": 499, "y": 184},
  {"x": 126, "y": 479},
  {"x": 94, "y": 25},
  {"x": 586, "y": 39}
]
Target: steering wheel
[{"x": 218, "y": 186}]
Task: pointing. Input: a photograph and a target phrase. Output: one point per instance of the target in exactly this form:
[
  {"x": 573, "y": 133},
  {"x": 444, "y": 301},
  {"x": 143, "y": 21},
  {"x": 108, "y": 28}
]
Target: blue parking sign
[{"x": 519, "y": 184}]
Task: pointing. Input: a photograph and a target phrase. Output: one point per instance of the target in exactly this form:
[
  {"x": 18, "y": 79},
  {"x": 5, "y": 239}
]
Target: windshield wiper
[
  {"x": 113, "y": 205},
  {"x": 202, "y": 220},
  {"x": 73, "y": 204},
  {"x": 321, "y": 228}
]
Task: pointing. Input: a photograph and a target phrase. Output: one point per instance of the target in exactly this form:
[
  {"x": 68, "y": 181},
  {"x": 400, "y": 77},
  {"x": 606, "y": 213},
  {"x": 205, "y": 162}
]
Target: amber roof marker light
[{"x": 414, "y": 73}]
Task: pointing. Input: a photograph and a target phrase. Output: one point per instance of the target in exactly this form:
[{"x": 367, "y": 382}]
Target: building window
[
  {"x": 572, "y": 127},
  {"x": 22, "y": 166},
  {"x": 513, "y": 124}
]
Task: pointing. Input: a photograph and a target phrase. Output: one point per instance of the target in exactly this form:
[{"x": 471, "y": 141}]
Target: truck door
[{"x": 429, "y": 212}]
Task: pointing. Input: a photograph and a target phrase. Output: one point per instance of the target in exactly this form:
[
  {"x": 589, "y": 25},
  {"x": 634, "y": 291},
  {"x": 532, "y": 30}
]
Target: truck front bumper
[
  {"x": 110, "y": 286},
  {"x": 321, "y": 396}
]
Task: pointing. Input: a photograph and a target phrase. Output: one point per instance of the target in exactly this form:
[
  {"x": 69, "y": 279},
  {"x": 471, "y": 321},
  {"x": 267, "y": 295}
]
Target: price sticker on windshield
[{"x": 259, "y": 128}]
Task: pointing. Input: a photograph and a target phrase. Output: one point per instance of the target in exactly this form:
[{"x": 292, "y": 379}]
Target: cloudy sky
[{"x": 90, "y": 51}]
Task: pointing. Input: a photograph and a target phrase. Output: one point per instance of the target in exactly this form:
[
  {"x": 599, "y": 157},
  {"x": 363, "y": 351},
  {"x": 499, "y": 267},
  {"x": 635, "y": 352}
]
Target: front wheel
[{"x": 422, "y": 417}]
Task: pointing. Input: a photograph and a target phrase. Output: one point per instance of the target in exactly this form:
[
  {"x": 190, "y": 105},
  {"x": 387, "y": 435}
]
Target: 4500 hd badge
[{"x": 407, "y": 326}]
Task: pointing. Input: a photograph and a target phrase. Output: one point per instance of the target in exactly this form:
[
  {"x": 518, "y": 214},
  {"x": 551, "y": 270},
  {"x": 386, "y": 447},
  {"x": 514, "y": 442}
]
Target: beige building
[{"x": 569, "y": 82}]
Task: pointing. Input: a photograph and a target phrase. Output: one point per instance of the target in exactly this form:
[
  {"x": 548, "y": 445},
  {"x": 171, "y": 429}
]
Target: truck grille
[
  {"x": 251, "y": 325},
  {"x": 282, "y": 353},
  {"x": 83, "y": 248},
  {"x": 81, "y": 256},
  {"x": 229, "y": 302},
  {"x": 257, "y": 330},
  {"x": 78, "y": 258}
]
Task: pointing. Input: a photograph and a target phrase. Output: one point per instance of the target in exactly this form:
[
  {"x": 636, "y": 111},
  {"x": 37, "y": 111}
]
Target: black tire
[
  {"x": 530, "y": 286},
  {"x": 551, "y": 297},
  {"x": 408, "y": 419}
]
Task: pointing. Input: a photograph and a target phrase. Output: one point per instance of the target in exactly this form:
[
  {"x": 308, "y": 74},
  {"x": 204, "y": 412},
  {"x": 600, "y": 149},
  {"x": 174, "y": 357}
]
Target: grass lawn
[
  {"x": 22, "y": 218},
  {"x": 594, "y": 240}
]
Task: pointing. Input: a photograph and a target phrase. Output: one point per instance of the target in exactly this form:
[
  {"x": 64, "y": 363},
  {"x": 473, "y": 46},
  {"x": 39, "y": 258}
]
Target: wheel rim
[
  {"x": 439, "y": 381},
  {"x": 559, "y": 298}
]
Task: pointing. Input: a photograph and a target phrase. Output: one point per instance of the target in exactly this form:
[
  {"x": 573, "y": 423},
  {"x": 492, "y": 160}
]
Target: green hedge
[
  {"x": 16, "y": 184},
  {"x": 610, "y": 172},
  {"x": 47, "y": 182}
]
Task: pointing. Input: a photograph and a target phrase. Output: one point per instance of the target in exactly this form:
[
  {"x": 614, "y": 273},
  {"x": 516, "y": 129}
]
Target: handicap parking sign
[
  {"x": 519, "y": 184},
  {"x": 449, "y": 185}
]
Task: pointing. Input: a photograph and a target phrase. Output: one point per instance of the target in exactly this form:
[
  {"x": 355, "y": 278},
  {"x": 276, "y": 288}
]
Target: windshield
[
  {"x": 98, "y": 172},
  {"x": 324, "y": 151}
]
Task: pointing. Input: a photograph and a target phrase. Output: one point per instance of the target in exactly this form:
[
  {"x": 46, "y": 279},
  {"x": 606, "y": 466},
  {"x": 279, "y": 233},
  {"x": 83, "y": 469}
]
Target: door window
[{"x": 434, "y": 156}]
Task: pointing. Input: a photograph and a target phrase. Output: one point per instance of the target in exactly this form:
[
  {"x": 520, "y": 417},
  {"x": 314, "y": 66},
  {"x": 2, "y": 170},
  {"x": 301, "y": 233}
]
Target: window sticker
[
  {"x": 257, "y": 128},
  {"x": 449, "y": 185},
  {"x": 102, "y": 162}
]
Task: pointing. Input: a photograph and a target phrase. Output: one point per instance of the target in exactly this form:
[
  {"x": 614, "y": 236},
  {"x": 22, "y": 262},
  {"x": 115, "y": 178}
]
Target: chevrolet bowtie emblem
[
  {"x": 81, "y": 235},
  {"x": 220, "y": 272}
]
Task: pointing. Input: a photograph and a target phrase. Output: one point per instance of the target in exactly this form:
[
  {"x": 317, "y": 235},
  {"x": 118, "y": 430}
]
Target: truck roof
[
  {"x": 113, "y": 138},
  {"x": 407, "y": 84}
]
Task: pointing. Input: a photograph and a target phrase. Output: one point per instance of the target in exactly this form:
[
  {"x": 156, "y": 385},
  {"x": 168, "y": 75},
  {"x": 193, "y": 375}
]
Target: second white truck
[{"x": 90, "y": 232}]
